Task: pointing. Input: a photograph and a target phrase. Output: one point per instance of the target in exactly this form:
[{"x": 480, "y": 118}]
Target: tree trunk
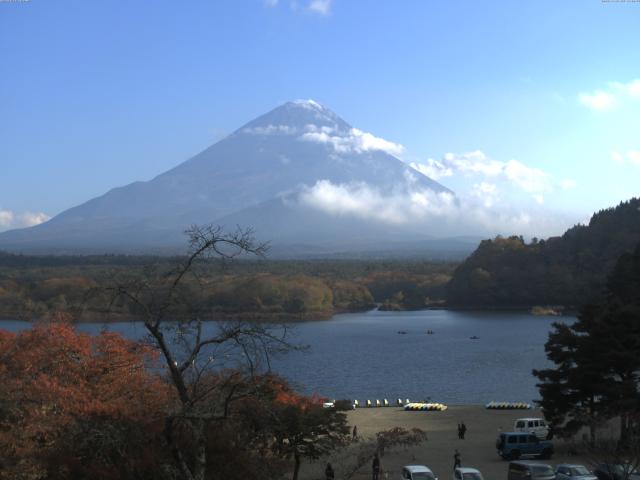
[
  {"x": 179, "y": 458},
  {"x": 296, "y": 468},
  {"x": 200, "y": 448},
  {"x": 592, "y": 433},
  {"x": 624, "y": 430},
  {"x": 592, "y": 422}
]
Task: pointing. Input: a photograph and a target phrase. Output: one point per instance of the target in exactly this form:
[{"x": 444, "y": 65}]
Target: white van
[
  {"x": 532, "y": 425},
  {"x": 417, "y": 472}
]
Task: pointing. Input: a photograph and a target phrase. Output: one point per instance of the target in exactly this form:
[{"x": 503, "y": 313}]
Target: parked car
[
  {"x": 566, "y": 471},
  {"x": 616, "y": 471},
  {"x": 513, "y": 445},
  {"x": 466, "y": 473},
  {"x": 532, "y": 425},
  {"x": 417, "y": 472},
  {"x": 530, "y": 471}
]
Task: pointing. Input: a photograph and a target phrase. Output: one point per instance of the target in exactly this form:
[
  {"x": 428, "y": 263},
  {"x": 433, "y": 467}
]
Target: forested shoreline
[
  {"x": 503, "y": 273},
  {"x": 34, "y": 288},
  {"x": 565, "y": 271}
]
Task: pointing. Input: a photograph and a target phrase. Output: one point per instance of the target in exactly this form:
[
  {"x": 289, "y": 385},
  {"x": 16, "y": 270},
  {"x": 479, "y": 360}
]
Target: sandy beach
[{"x": 477, "y": 449}]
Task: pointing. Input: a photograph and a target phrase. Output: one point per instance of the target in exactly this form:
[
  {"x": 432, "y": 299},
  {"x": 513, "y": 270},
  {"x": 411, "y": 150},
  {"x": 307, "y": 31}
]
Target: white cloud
[
  {"x": 367, "y": 141},
  {"x": 432, "y": 169},
  {"x": 631, "y": 157},
  {"x": 495, "y": 190},
  {"x": 351, "y": 141},
  {"x": 29, "y": 219},
  {"x": 321, "y": 7},
  {"x": 598, "y": 100},
  {"x": 486, "y": 192},
  {"x": 360, "y": 200},
  {"x": 633, "y": 88},
  {"x": 473, "y": 162},
  {"x": 481, "y": 212},
  {"x": 615, "y": 94},
  {"x": 10, "y": 220},
  {"x": 476, "y": 163},
  {"x": 6, "y": 218},
  {"x": 528, "y": 178},
  {"x": 617, "y": 157}
]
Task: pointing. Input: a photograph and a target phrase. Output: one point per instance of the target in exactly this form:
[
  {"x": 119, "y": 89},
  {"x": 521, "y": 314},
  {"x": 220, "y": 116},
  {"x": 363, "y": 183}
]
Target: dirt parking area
[{"x": 477, "y": 449}]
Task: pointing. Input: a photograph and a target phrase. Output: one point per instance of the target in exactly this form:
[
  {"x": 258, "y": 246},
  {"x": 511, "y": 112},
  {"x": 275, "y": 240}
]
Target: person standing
[
  {"x": 456, "y": 459},
  {"x": 355, "y": 432},
  {"x": 375, "y": 467},
  {"x": 463, "y": 430},
  {"x": 329, "y": 474}
]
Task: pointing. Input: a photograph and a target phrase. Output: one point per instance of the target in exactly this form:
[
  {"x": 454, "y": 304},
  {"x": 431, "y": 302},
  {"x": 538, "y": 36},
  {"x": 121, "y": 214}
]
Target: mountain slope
[
  {"x": 569, "y": 270},
  {"x": 281, "y": 153}
]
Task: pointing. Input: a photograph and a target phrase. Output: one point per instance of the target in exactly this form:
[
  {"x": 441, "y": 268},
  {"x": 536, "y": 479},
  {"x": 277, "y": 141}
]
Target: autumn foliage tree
[
  {"x": 78, "y": 406},
  {"x": 265, "y": 432},
  {"x": 303, "y": 428}
]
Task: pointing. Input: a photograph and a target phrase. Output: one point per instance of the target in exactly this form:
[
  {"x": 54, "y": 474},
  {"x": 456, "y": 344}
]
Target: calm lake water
[{"x": 362, "y": 355}]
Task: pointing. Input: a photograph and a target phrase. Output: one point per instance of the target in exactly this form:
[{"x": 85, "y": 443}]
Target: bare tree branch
[{"x": 194, "y": 358}]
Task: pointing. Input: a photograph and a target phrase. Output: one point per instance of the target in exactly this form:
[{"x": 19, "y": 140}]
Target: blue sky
[{"x": 512, "y": 102}]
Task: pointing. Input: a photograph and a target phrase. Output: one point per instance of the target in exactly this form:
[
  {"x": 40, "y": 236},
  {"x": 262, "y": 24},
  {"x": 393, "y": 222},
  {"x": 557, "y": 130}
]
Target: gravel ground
[{"x": 477, "y": 449}]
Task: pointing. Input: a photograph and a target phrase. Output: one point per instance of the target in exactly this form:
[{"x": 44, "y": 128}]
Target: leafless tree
[
  {"x": 359, "y": 455},
  {"x": 618, "y": 461},
  {"x": 211, "y": 364}
]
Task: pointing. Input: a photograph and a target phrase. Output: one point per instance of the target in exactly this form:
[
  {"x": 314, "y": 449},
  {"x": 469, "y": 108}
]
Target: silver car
[
  {"x": 466, "y": 473},
  {"x": 525, "y": 470},
  {"x": 566, "y": 471}
]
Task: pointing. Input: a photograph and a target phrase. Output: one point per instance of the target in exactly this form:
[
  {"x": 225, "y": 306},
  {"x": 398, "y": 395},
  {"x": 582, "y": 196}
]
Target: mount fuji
[{"x": 299, "y": 175}]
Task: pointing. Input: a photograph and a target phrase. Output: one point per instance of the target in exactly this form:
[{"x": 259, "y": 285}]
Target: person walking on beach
[
  {"x": 456, "y": 459},
  {"x": 355, "y": 432},
  {"x": 375, "y": 467},
  {"x": 463, "y": 430},
  {"x": 329, "y": 473}
]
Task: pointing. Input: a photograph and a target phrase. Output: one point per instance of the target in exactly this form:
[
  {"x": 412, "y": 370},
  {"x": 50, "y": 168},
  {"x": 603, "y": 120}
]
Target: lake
[{"x": 362, "y": 355}]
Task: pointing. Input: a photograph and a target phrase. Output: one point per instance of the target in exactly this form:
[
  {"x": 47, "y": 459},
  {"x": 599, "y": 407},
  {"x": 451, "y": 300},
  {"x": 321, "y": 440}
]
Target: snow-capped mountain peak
[
  {"x": 300, "y": 146},
  {"x": 309, "y": 103},
  {"x": 296, "y": 117}
]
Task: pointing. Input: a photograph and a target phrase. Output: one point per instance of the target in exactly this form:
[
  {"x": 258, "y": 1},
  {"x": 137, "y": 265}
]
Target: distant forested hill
[{"x": 569, "y": 270}]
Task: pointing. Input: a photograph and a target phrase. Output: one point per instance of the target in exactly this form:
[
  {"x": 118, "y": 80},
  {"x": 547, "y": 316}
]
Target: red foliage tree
[
  {"x": 70, "y": 403},
  {"x": 298, "y": 425}
]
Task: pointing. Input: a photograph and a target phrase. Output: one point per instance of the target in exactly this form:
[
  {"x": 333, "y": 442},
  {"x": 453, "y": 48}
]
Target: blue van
[{"x": 513, "y": 445}]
